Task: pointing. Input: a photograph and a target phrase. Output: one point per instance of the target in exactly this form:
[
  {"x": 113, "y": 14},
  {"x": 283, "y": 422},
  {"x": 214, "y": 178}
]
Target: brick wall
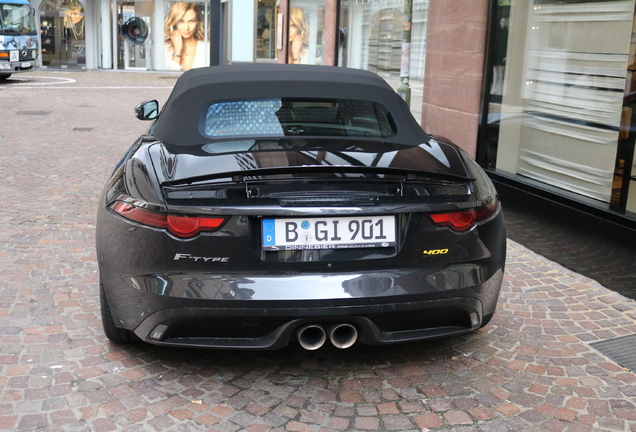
[{"x": 455, "y": 52}]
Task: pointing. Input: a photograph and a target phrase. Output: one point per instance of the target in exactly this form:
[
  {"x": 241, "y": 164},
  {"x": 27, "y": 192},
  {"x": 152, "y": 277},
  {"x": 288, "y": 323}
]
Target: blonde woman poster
[
  {"x": 298, "y": 36},
  {"x": 184, "y": 35}
]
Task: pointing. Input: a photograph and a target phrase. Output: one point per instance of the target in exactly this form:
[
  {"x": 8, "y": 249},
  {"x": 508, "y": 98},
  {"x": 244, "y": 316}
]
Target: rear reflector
[{"x": 180, "y": 226}]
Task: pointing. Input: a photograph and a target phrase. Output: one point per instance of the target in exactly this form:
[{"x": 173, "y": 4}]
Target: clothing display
[{"x": 201, "y": 57}]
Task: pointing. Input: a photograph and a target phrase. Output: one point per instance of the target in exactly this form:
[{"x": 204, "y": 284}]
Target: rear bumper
[{"x": 272, "y": 324}]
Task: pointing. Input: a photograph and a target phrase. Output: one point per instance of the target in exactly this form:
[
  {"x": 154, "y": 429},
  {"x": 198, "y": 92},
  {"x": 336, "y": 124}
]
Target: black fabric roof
[{"x": 195, "y": 89}]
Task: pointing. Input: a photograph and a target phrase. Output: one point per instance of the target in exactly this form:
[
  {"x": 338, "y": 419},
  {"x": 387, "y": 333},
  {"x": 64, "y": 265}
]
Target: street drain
[
  {"x": 34, "y": 112},
  {"x": 82, "y": 129},
  {"x": 622, "y": 350}
]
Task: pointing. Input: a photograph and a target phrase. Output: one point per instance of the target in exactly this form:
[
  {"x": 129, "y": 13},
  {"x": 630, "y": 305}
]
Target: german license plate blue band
[{"x": 328, "y": 233}]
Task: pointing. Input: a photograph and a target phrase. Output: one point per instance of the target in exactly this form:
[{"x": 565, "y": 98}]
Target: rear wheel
[{"x": 113, "y": 332}]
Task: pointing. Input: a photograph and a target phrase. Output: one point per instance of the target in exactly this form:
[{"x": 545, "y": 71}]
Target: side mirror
[{"x": 148, "y": 110}]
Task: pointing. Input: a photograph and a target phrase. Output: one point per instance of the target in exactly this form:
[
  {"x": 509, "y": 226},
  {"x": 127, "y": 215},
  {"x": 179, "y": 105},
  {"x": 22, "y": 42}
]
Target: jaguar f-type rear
[{"x": 271, "y": 204}]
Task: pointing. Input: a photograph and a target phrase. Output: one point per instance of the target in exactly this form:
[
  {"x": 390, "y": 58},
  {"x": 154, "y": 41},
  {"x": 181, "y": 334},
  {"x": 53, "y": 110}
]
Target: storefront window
[
  {"x": 266, "y": 29},
  {"x": 133, "y": 27},
  {"x": 63, "y": 32},
  {"x": 178, "y": 42},
  {"x": 306, "y": 29},
  {"x": 557, "y": 111},
  {"x": 371, "y": 35}
]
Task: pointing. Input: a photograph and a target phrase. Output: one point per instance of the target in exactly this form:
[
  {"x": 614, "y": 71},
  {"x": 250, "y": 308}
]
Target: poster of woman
[
  {"x": 298, "y": 36},
  {"x": 184, "y": 37},
  {"x": 74, "y": 22},
  {"x": 74, "y": 31}
]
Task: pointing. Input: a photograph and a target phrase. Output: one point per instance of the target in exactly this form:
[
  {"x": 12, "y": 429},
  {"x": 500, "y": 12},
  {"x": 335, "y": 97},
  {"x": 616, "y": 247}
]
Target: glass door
[
  {"x": 133, "y": 29},
  {"x": 63, "y": 31},
  {"x": 266, "y": 30}
]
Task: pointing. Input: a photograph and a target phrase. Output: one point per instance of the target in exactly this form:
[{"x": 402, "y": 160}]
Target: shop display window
[
  {"x": 63, "y": 33},
  {"x": 560, "y": 102},
  {"x": 177, "y": 41},
  {"x": 371, "y": 36},
  {"x": 306, "y": 30},
  {"x": 266, "y": 25}
]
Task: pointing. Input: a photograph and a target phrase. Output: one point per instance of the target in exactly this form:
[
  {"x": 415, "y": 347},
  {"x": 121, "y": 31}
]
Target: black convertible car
[{"x": 278, "y": 203}]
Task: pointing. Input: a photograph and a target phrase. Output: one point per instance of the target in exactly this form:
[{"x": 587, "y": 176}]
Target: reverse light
[
  {"x": 180, "y": 226},
  {"x": 463, "y": 220}
]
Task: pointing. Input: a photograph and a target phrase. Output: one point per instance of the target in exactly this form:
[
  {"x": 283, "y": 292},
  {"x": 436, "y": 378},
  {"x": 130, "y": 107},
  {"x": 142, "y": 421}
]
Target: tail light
[
  {"x": 463, "y": 220},
  {"x": 180, "y": 226}
]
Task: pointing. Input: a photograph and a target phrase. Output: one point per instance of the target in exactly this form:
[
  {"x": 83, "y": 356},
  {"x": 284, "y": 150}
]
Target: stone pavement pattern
[
  {"x": 586, "y": 251},
  {"x": 531, "y": 369}
]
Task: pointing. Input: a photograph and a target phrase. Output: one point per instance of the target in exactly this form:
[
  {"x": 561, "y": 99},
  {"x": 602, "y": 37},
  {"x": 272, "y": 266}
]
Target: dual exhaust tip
[{"x": 313, "y": 336}]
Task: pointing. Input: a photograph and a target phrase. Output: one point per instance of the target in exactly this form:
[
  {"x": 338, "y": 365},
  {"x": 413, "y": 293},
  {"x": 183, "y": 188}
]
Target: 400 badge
[{"x": 432, "y": 252}]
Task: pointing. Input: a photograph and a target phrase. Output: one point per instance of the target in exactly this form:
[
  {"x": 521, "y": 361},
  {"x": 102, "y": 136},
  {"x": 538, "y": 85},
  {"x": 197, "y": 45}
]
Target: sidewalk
[
  {"x": 587, "y": 252},
  {"x": 533, "y": 368}
]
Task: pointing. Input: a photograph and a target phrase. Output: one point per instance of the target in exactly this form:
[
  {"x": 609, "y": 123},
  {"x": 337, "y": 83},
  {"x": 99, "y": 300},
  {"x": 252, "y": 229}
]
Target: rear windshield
[{"x": 289, "y": 117}]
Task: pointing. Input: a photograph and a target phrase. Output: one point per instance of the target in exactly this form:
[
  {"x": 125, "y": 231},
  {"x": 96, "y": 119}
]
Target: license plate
[
  {"x": 25, "y": 64},
  {"x": 328, "y": 233}
]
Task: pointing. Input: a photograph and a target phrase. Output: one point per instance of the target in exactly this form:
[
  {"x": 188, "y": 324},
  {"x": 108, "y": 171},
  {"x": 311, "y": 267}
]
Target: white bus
[{"x": 19, "y": 38}]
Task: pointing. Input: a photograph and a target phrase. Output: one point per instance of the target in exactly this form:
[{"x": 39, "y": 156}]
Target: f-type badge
[{"x": 181, "y": 256}]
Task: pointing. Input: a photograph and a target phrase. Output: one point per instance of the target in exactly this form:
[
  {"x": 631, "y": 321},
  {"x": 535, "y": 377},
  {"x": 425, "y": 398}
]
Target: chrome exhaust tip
[
  {"x": 311, "y": 337},
  {"x": 343, "y": 335}
]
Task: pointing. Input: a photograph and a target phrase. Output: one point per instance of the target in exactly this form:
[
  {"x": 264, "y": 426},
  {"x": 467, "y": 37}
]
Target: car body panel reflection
[{"x": 311, "y": 287}]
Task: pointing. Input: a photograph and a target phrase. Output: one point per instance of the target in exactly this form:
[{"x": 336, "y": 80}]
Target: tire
[
  {"x": 4, "y": 77},
  {"x": 113, "y": 332}
]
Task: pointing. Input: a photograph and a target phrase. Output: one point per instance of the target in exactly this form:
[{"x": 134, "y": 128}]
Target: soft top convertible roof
[{"x": 178, "y": 123}]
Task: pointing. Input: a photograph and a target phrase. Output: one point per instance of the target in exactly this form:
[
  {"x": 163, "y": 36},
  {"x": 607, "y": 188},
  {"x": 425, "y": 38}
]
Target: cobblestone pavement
[
  {"x": 585, "y": 251},
  {"x": 531, "y": 369}
]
